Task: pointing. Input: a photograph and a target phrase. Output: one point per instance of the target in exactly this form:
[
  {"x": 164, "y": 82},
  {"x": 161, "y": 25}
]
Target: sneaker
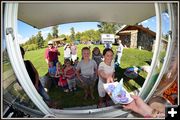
[
  {"x": 71, "y": 90},
  {"x": 75, "y": 88},
  {"x": 66, "y": 90}
]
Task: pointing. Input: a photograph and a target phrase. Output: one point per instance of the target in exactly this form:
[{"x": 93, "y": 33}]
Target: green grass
[
  {"x": 130, "y": 57},
  {"x": 72, "y": 99}
]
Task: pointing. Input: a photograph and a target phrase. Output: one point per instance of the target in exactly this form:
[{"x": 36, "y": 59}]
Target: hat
[{"x": 50, "y": 42}]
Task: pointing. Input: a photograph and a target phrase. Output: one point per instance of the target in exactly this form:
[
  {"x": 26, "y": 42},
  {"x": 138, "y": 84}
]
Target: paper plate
[{"x": 118, "y": 93}]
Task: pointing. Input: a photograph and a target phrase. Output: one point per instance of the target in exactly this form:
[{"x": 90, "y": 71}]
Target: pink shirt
[{"x": 51, "y": 54}]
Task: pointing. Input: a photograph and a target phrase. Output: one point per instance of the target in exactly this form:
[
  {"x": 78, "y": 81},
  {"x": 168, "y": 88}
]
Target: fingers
[
  {"x": 126, "y": 107},
  {"x": 134, "y": 97}
]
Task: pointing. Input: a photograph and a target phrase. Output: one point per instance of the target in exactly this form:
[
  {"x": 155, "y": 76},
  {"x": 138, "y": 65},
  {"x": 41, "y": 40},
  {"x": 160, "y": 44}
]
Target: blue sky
[{"x": 26, "y": 31}]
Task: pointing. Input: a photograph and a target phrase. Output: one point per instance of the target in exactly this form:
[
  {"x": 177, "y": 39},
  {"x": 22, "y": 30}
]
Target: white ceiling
[{"x": 41, "y": 15}]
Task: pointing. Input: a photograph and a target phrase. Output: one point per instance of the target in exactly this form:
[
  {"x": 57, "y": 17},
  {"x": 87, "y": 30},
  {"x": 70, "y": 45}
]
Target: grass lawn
[{"x": 130, "y": 57}]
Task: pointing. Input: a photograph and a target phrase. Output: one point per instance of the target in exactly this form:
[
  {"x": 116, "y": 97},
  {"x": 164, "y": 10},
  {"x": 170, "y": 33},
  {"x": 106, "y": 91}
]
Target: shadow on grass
[
  {"x": 129, "y": 84},
  {"x": 71, "y": 99}
]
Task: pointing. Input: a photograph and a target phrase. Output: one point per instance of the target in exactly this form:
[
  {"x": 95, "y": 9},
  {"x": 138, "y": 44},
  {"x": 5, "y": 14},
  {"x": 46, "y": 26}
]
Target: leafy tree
[
  {"x": 97, "y": 35},
  {"x": 72, "y": 37},
  {"x": 90, "y": 35},
  {"x": 108, "y": 28},
  {"x": 78, "y": 36},
  {"x": 49, "y": 37},
  {"x": 32, "y": 40},
  {"x": 55, "y": 31},
  {"x": 40, "y": 41},
  {"x": 62, "y": 36},
  {"x": 84, "y": 38},
  {"x": 68, "y": 39}
]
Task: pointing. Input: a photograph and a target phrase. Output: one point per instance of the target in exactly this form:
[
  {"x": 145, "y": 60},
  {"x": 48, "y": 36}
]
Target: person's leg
[
  {"x": 85, "y": 86},
  {"x": 119, "y": 58},
  {"x": 43, "y": 93},
  {"x": 101, "y": 93},
  {"x": 74, "y": 57},
  {"x": 92, "y": 85},
  {"x": 86, "y": 92},
  {"x": 107, "y": 98},
  {"x": 74, "y": 83},
  {"x": 54, "y": 81},
  {"x": 69, "y": 84},
  {"x": 65, "y": 88}
]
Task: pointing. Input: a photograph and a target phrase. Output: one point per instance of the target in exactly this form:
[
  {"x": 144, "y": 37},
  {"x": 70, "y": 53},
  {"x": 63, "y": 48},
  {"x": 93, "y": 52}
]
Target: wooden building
[{"x": 138, "y": 36}]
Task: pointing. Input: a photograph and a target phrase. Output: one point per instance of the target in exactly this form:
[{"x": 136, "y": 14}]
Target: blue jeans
[{"x": 43, "y": 93}]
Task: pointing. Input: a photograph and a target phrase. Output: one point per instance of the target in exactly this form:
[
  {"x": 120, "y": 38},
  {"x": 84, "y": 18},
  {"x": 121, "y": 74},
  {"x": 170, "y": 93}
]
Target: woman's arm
[
  {"x": 106, "y": 77},
  {"x": 78, "y": 74},
  {"x": 36, "y": 75}
]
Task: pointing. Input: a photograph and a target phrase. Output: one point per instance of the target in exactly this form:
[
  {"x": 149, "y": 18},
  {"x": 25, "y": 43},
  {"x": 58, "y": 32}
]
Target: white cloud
[
  {"x": 45, "y": 33},
  {"x": 22, "y": 39},
  {"x": 153, "y": 20}
]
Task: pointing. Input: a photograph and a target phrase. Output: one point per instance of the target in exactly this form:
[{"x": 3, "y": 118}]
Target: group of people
[
  {"x": 85, "y": 73},
  {"x": 62, "y": 74}
]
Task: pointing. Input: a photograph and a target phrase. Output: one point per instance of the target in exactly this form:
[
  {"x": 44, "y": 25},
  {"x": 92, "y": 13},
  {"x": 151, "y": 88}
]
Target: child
[
  {"x": 67, "y": 52},
  {"x": 58, "y": 69},
  {"x": 119, "y": 54},
  {"x": 76, "y": 62},
  {"x": 106, "y": 74},
  {"x": 60, "y": 74},
  {"x": 97, "y": 56},
  {"x": 52, "y": 73},
  {"x": 87, "y": 72},
  {"x": 52, "y": 69},
  {"x": 69, "y": 73}
]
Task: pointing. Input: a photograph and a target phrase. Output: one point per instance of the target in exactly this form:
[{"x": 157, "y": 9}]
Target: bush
[{"x": 31, "y": 47}]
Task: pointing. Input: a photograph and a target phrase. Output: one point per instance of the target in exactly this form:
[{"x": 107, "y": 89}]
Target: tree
[
  {"x": 62, "y": 36},
  {"x": 78, "y": 36},
  {"x": 72, "y": 37},
  {"x": 55, "y": 31},
  {"x": 97, "y": 35},
  {"x": 49, "y": 37},
  {"x": 32, "y": 40},
  {"x": 40, "y": 41},
  {"x": 109, "y": 28}
]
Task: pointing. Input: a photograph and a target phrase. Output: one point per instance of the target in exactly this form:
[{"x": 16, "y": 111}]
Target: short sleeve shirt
[
  {"x": 106, "y": 68},
  {"x": 87, "y": 68}
]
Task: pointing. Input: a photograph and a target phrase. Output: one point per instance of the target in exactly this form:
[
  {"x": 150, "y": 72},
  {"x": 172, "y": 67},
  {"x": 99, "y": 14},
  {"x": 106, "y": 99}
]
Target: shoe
[
  {"x": 66, "y": 90},
  {"x": 75, "y": 89},
  {"x": 71, "y": 90}
]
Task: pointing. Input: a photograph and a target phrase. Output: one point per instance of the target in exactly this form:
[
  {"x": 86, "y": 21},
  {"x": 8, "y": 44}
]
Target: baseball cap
[{"x": 50, "y": 42}]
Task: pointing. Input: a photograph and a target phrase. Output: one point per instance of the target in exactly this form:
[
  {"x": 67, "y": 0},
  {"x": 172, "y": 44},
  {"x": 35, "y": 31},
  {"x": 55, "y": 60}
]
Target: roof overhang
[{"x": 45, "y": 14}]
